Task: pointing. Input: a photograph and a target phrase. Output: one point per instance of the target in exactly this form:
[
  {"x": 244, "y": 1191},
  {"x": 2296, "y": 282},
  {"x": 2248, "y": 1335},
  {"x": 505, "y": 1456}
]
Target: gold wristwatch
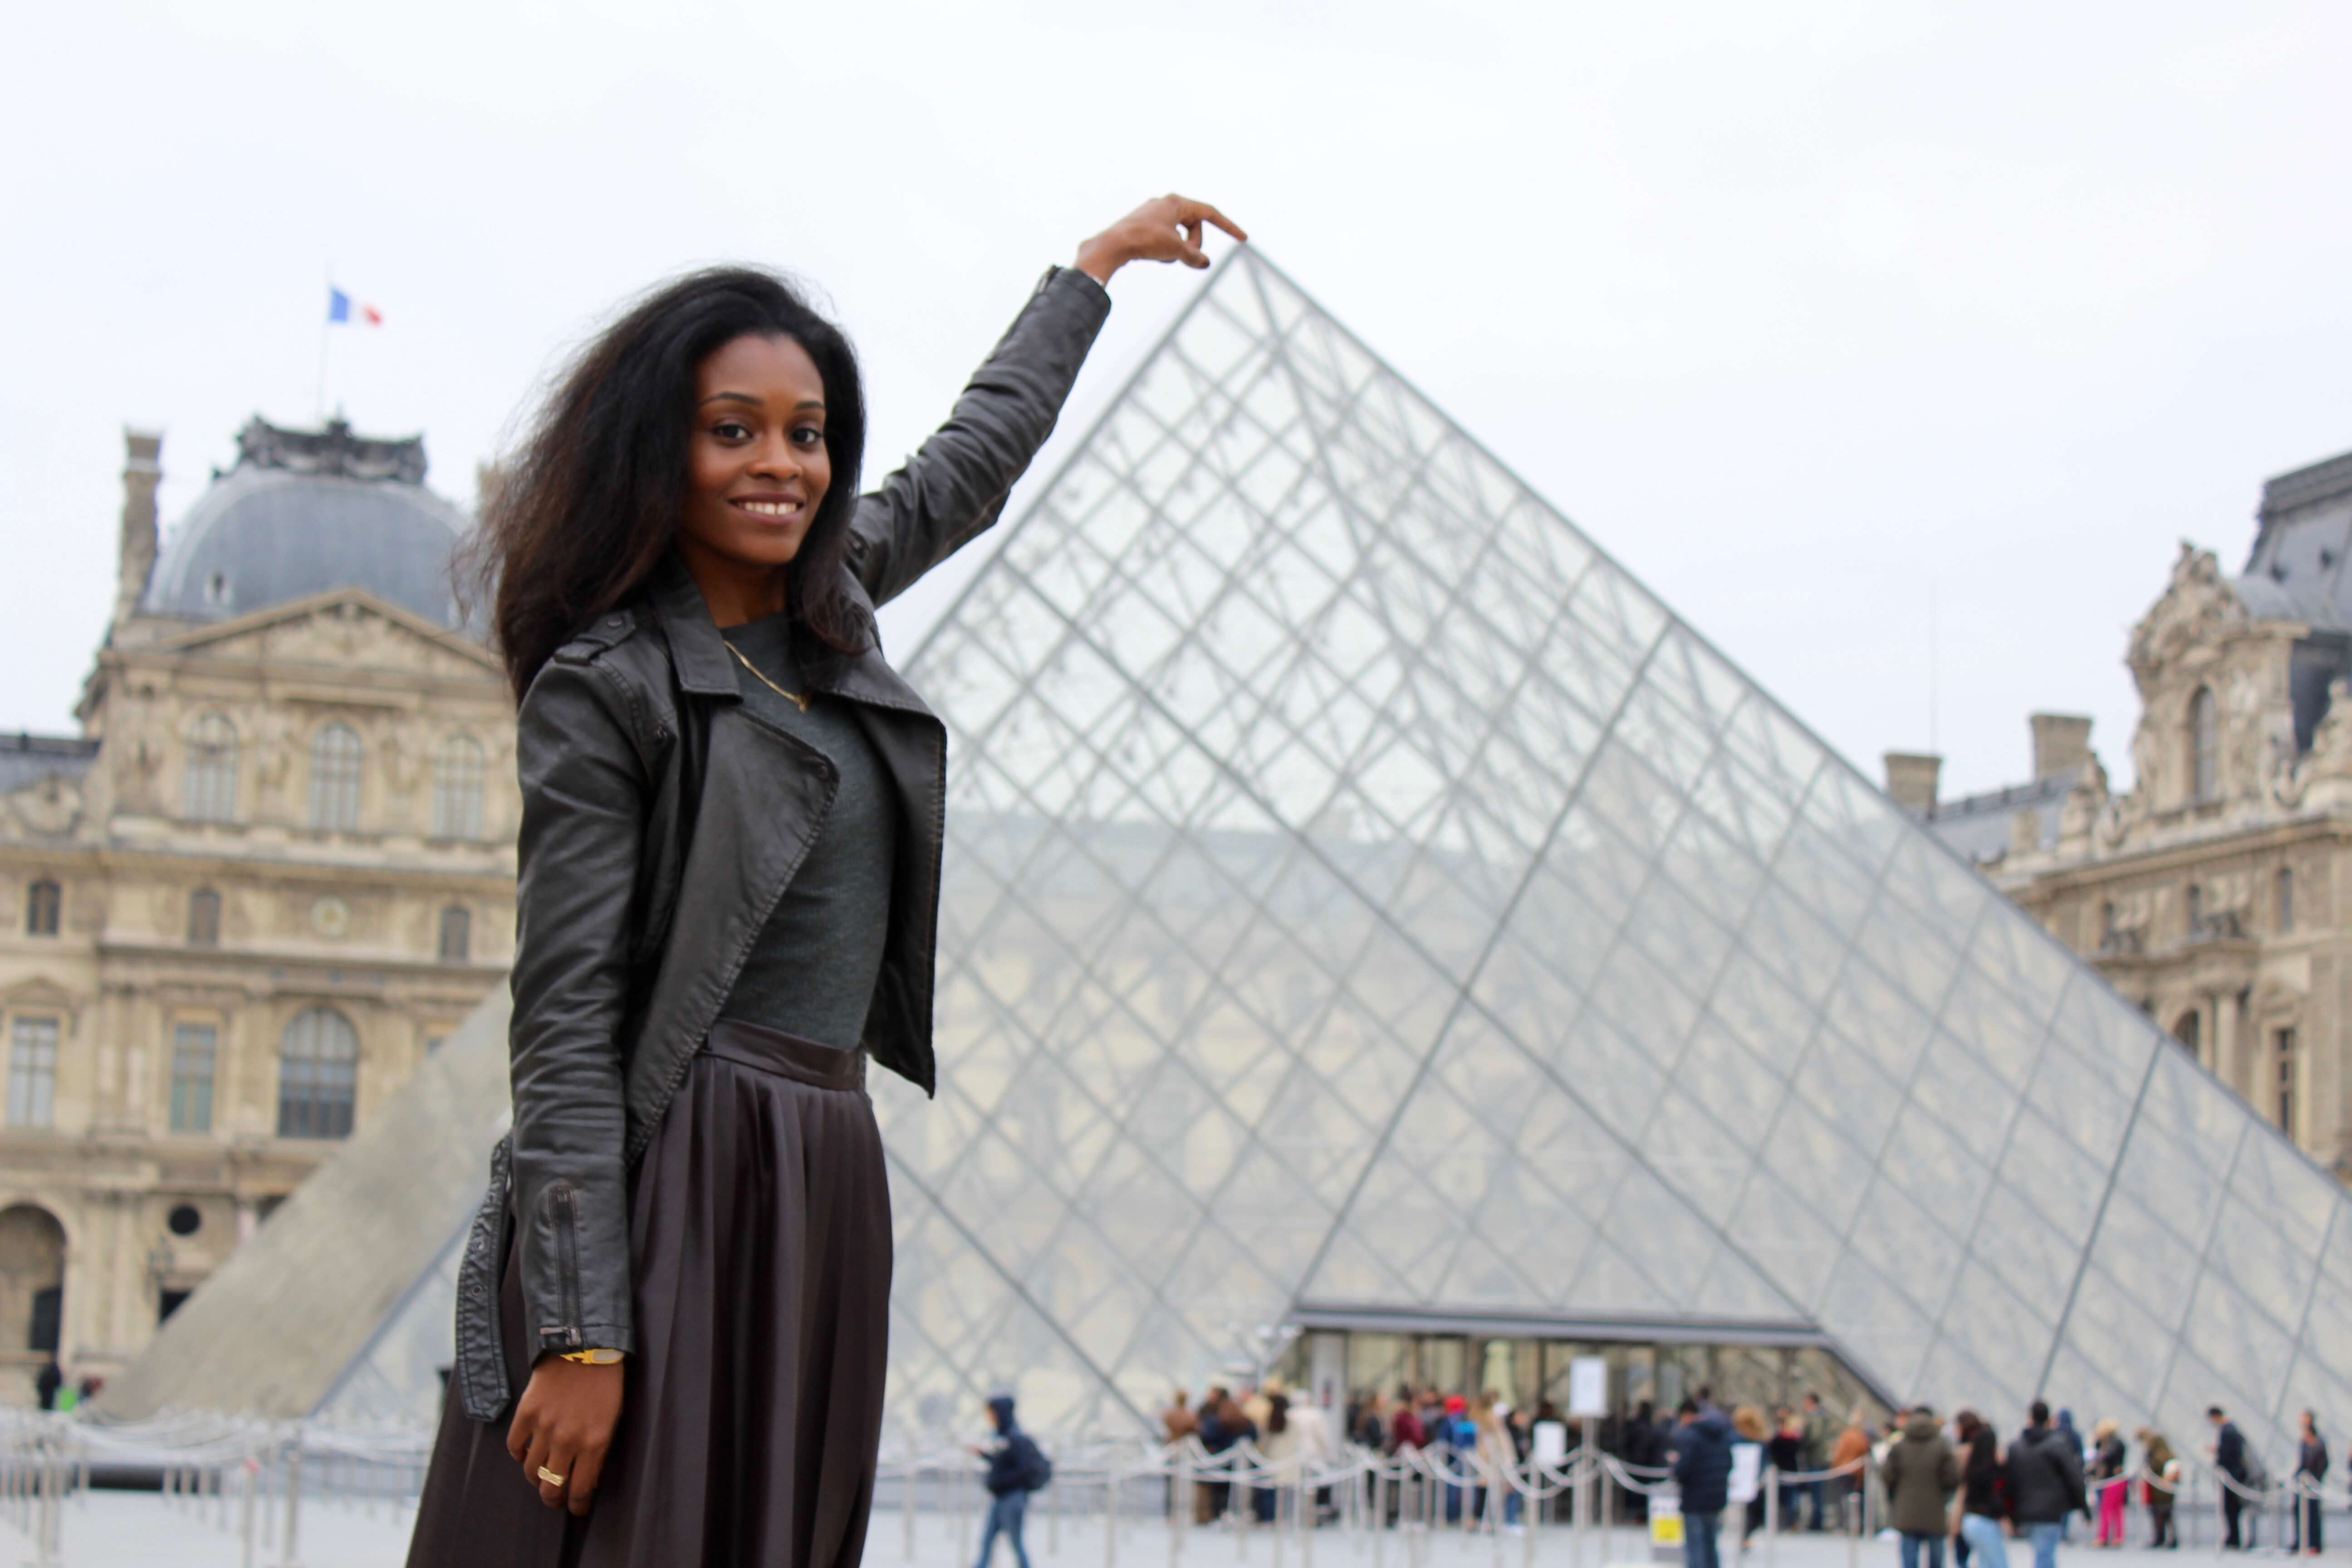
[{"x": 594, "y": 1358}]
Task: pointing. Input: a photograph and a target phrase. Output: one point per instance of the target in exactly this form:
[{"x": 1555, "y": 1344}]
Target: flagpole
[{"x": 325, "y": 326}]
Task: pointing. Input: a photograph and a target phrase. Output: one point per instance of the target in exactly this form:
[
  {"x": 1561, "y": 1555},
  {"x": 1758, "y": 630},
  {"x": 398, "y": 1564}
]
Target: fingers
[
  {"x": 586, "y": 1468},
  {"x": 519, "y": 1433},
  {"x": 558, "y": 1461}
]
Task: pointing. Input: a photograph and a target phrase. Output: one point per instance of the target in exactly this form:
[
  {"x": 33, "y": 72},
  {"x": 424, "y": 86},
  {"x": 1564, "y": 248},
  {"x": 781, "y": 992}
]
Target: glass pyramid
[{"x": 1362, "y": 893}]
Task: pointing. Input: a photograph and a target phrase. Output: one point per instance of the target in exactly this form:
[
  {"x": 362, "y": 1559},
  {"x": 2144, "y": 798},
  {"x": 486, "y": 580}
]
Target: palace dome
[{"x": 306, "y": 511}]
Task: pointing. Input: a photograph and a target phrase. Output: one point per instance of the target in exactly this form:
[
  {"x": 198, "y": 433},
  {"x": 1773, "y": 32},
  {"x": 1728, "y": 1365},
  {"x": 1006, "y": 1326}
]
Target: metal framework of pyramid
[{"x": 1362, "y": 894}]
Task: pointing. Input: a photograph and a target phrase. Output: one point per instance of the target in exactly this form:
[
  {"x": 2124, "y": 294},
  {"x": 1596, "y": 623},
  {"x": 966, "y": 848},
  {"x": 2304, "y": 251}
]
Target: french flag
[{"x": 341, "y": 311}]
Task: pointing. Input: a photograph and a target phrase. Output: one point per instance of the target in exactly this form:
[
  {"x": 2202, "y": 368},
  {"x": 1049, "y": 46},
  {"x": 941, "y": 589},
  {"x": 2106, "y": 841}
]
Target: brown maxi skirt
[{"x": 760, "y": 1233}]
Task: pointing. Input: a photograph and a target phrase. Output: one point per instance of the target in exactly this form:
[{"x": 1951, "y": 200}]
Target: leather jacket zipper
[{"x": 565, "y": 1203}]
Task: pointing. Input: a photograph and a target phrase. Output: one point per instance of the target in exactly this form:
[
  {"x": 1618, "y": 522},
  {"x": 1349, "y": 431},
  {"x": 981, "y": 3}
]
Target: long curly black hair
[{"x": 583, "y": 511}]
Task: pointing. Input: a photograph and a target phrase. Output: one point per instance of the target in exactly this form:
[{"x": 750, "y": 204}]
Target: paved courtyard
[{"x": 140, "y": 1530}]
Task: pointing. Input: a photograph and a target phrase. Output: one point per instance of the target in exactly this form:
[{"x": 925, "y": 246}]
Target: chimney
[
  {"x": 143, "y": 470},
  {"x": 2062, "y": 745},
  {"x": 1911, "y": 779}
]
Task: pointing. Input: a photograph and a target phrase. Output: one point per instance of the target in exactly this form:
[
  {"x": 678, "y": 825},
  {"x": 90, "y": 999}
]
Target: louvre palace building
[
  {"x": 1381, "y": 941},
  {"x": 273, "y": 870},
  {"x": 2215, "y": 893}
]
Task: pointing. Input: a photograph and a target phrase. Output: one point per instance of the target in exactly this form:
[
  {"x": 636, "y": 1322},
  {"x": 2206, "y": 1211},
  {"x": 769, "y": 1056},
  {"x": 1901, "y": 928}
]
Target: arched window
[
  {"x": 317, "y": 1075},
  {"x": 203, "y": 918},
  {"x": 2204, "y": 745},
  {"x": 458, "y": 788},
  {"x": 45, "y": 902},
  {"x": 456, "y": 936},
  {"x": 210, "y": 786},
  {"x": 335, "y": 779}
]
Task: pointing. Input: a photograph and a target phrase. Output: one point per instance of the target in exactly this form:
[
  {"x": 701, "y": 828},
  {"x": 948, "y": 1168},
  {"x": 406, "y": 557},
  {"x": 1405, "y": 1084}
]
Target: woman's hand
[
  {"x": 564, "y": 1422},
  {"x": 1168, "y": 228}
]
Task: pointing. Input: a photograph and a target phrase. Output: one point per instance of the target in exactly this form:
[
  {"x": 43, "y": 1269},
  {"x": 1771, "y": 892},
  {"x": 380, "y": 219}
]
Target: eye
[
  {"x": 731, "y": 430},
  {"x": 809, "y": 436}
]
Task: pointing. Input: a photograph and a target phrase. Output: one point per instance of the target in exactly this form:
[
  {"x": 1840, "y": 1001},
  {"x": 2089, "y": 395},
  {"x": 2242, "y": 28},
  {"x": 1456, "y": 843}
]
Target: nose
[{"x": 775, "y": 458}]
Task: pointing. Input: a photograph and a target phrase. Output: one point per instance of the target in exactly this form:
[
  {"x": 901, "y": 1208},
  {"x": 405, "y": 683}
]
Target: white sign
[
  {"x": 1588, "y": 1386},
  {"x": 1551, "y": 1444}
]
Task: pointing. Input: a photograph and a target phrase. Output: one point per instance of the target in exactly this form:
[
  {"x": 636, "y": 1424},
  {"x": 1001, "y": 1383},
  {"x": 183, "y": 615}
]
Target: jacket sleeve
[
  {"x": 1948, "y": 1471},
  {"x": 954, "y": 487},
  {"x": 582, "y": 789}
]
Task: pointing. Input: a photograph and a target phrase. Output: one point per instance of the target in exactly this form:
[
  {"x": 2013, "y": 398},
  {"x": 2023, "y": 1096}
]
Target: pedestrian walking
[
  {"x": 1920, "y": 1472},
  {"x": 1701, "y": 1456},
  {"x": 1016, "y": 1466},
  {"x": 2159, "y": 1487},
  {"x": 1984, "y": 1502},
  {"x": 2045, "y": 1484},
  {"x": 2310, "y": 1471},
  {"x": 2242, "y": 1479},
  {"x": 2108, "y": 1477},
  {"x": 674, "y": 1309}
]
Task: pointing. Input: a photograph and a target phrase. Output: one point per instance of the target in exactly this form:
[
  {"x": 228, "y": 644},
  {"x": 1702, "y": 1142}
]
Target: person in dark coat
[
  {"x": 1701, "y": 1457},
  {"x": 672, "y": 1302},
  {"x": 2311, "y": 1469},
  {"x": 2045, "y": 1483},
  {"x": 1921, "y": 1471},
  {"x": 2230, "y": 1458},
  {"x": 1016, "y": 1469},
  {"x": 47, "y": 1382}
]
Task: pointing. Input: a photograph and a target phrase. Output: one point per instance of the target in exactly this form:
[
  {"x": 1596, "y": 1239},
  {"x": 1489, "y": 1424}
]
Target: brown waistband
[{"x": 767, "y": 1050}]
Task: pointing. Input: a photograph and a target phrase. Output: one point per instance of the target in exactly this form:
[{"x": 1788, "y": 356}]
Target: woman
[
  {"x": 1278, "y": 1447},
  {"x": 1748, "y": 1467},
  {"x": 2161, "y": 1469},
  {"x": 1786, "y": 1454},
  {"x": 2310, "y": 1470},
  {"x": 672, "y": 1303},
  {"x": 1979, "y": 1508},
  {"x": 2106, "y": 1475}
]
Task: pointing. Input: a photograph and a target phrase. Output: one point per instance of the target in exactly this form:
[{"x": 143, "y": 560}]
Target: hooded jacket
[
  {"x": 2045, "y": 1476},
  {"x": 1009, "y": 1467},
  {"x": 1702, "y": 1451},
  {"x": 1921, "y": 1471},
  {"x": 661, "y": 824}
]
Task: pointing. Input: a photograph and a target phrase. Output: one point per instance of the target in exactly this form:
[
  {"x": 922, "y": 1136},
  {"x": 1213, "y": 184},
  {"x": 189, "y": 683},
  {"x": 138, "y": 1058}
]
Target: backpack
[
  {"x": 1036, "y": 1470},
  {"x": 2257, "y": 1478}
]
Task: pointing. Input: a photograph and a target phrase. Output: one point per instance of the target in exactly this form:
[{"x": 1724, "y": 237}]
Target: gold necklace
[{"x": 794, "y": 698}]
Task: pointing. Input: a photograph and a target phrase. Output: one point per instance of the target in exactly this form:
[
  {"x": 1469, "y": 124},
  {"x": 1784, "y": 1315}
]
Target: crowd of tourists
[
  {"x": 1958, "y": 1482},
  {"x": 1950, "y": 1485}
]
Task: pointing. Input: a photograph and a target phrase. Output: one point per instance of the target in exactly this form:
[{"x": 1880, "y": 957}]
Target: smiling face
[{"x": 757, "y": 472}]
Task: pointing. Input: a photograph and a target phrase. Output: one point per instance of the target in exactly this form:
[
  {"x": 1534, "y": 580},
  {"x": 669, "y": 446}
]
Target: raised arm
[{"x": 955, "y": 487}]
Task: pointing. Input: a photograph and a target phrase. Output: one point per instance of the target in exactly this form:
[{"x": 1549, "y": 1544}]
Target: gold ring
[{"x": 550, "y": 1476}]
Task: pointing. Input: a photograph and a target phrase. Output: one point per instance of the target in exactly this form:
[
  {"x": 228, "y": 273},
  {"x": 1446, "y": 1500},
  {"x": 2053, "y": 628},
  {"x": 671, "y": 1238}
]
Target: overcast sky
[{"x": 1813, "y": 314}]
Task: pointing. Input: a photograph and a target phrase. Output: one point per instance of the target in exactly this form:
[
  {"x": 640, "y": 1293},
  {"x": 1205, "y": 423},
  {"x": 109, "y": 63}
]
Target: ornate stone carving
[
  {"x": 51, "y": 807},
  {"x": 2197, "y": 608},
  {"x": 334, "y": 450}
]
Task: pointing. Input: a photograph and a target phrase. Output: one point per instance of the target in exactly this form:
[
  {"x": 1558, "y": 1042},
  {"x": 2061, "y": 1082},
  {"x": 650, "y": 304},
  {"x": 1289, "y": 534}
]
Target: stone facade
[
  {"x": 2217, "y": 892},
  {"x": 274, "y": 870}
]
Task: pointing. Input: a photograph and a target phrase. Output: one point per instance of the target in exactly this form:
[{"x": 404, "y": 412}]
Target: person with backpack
[
  {"x": 1700, "y": 1452},
  {"x": 2045, "y": 1483},
  {"x": 1920, "y": 1472},
  {"x": 2244, "y": 1478},
  {"x": 1016, "y": 1466},
  {"x": 1984, "y": 1501}
]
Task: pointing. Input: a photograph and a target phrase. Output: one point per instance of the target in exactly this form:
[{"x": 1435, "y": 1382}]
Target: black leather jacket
[{"x": 661, "y": 824}]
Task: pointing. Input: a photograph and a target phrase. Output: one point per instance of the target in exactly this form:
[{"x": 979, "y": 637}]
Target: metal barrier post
[
  {"x": 1110, "y": 1516},
  {"x": 293, "y": 1501},
  {"x": 251, "y": 1471},
  {"x": 907, "y": 1509},
  {"x": 1770, "y": 1480}
]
